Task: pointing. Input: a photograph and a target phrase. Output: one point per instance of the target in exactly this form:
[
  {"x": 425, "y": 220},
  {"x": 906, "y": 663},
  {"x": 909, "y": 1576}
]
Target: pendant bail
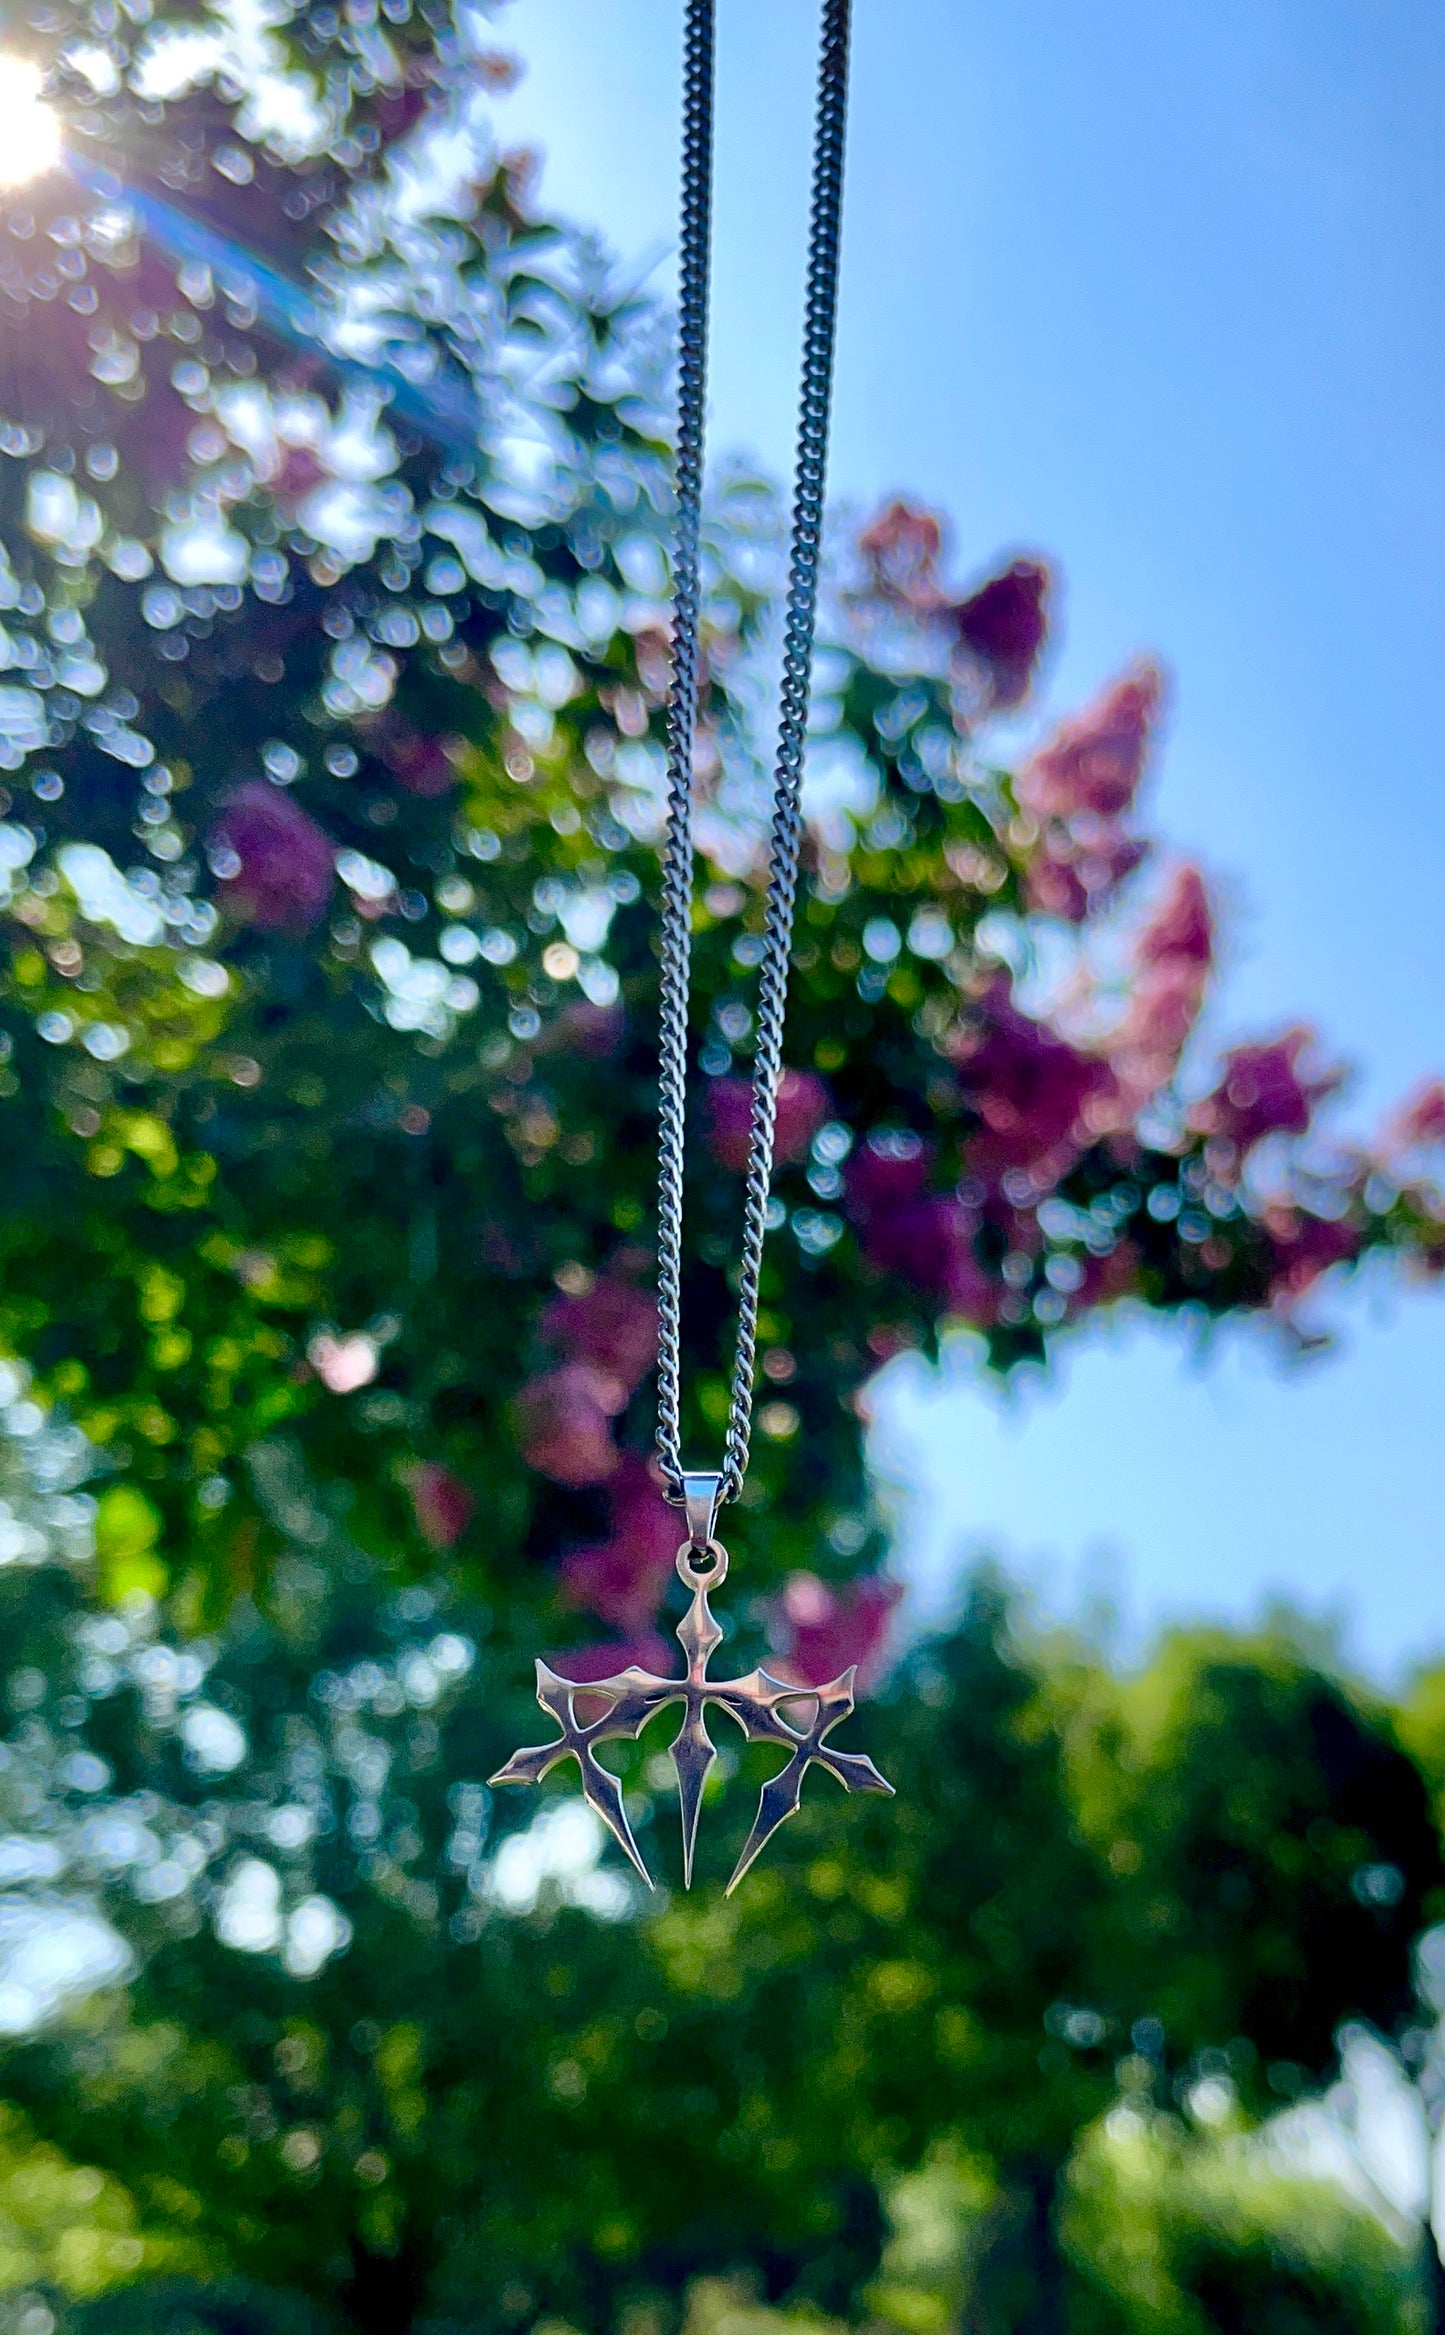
[{"x": 701, "y": 1498}]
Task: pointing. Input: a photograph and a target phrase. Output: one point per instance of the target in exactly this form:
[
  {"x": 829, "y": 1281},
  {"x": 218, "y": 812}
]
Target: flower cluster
[
  {"x": 994, "y": 634},
  {"x": 1263, "y": 1091},
  {"x": 623, "y": 1579},
  {"x": 802, "y": 1106},
  {"x": 1172, "y": 966},
  {"x": 923, "y": 1236},
  {"x": 826, "y": 1630},
  {"x": 607, "y": 1335},
  {"x": 1038, "y": 1099},
  {"x": 276, "y": 866},
  {"x": 441, "y": 1503},
  {"x": 1080, "y": 787},
  {"x": 605, "y": 1329}
]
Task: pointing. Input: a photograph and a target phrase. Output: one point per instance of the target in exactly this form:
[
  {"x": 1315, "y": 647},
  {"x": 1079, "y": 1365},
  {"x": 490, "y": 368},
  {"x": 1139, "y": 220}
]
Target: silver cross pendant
[{"x": 757, "y": 1704}]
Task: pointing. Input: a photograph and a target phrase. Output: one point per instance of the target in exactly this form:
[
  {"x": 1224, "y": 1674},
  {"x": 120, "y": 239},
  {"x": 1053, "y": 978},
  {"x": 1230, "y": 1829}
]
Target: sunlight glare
[{"x": 29, "y": 130}]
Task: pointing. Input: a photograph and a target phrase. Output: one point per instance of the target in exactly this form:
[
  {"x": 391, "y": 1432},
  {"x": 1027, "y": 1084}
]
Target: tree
[{"x": 337, "y": 665}]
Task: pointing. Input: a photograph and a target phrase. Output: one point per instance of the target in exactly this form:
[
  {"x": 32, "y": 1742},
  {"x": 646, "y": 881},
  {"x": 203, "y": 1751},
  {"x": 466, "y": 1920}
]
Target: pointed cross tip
[
  {"x": 689, "y": 1835},
  {"x": 689, "y": 1830},
  {"x": 634, "y": 1858},
  {"x": 745, "y": 1863},
  {"x": 621, "y": 1831}
]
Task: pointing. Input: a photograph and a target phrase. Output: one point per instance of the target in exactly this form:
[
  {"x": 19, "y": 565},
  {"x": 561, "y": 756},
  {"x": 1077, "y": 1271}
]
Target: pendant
[{"x": 757, "y": 1704}]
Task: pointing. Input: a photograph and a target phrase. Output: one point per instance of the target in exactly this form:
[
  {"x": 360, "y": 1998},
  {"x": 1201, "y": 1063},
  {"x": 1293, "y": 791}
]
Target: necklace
[{"x": 767, "y": 1709}]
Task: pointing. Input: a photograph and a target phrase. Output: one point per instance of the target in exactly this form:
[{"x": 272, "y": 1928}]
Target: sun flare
[{"x": 29, "y": 128}]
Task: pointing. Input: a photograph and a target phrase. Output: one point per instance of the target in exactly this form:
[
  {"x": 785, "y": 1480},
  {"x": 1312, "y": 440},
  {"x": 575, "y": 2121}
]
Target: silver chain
[{"x": 819, "y": 329}]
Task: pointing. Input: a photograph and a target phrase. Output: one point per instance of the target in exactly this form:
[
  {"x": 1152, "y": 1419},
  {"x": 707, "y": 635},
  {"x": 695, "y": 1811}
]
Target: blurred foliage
[
  {"x": 333, "y": 512},
  {"x": 369, "y": 2054},
  {"x": 67, "y": 2227},
  {"x": 1183, "y": 2235}
]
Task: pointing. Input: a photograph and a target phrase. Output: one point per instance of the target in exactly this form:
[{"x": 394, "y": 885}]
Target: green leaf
[{"x": 126, "y": 1530}]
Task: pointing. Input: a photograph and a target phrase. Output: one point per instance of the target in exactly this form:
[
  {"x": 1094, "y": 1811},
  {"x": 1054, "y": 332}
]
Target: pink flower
[
  {"x": 1263, "y": 1093},
  {"x": 1072, "y": 874},
  {"x": 1419, "y": 1123},
  {"x": 614, "y": 1326},
  {"x": 1173, "y": 960},
  {"x": 1303, "y": 1248},
  {"x": 153, "y": 437},
  {"x": 1040, "y": 1100},
  {"x": 399, "y": 110},
  {"x": 803, "y": 1105},
  {"x": 730, "y": 1106},
  {"x": 888, "y": 1169},
  {"x": 583, "y": 1664},
  {"x": 832, "y": 1630},
  {"x": 1145, "y": 1049},
  {"x": 1094, "y": 762},
  {"x": 287, "y": 866},
  {"x": 916, "y": 1241},
  {"x": 564, "y": 1423},
  {"x": 1106, "y": 1279},
  {"x": 417, "y": 761},
  {"x": 903, "y": 546},
  {"x": 1182, "y": 925},
  {"x": 298, "y": 474},
  {"x": 926, "y": 1238},
  {"x": 970, "y": 1293},
  {"x": 624, "y": 1578},
  {"x": 998, "y": 630},
  {"x": 595, "y": 1031},
  {"x": 1001, "y": 627},
  {"x": 1079, "y": 786},
  {"x": 441, "y": 1504},
  {"x": 887, "y": 1199}
]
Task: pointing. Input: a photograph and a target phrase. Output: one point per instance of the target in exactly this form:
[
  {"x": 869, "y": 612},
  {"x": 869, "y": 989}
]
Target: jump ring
[{"x": 715, "y": 1574}]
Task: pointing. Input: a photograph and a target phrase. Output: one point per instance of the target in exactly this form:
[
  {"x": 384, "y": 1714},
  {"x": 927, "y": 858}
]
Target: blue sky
[{"x": 1161, "y": 293}]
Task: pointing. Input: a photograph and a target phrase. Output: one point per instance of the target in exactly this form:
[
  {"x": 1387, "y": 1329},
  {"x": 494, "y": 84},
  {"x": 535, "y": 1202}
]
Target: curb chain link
[{"x": 819, "y": 332}]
